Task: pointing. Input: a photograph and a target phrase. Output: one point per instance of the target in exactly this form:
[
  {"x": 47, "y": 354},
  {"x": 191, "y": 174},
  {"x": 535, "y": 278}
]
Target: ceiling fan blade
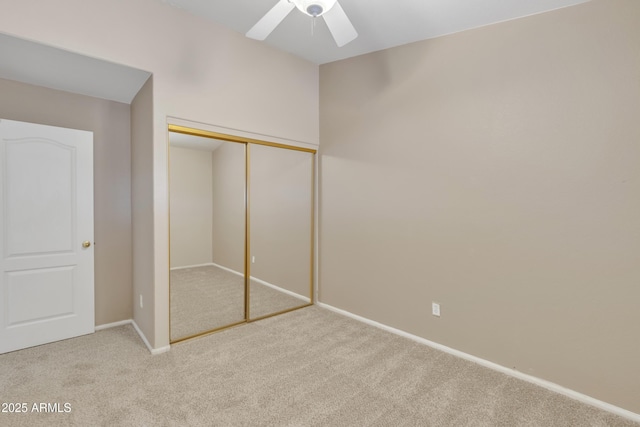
[
  {"x": 340, "y": 26},
  {"x": 271, "y": 20}
]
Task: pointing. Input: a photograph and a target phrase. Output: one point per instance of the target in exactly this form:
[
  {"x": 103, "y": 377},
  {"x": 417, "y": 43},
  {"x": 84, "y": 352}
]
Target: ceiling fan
[{"x": 339, "y": 24}]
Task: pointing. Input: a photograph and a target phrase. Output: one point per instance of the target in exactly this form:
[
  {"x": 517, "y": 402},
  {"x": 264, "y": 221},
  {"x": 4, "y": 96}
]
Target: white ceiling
[{"x": 380, "y": 23}]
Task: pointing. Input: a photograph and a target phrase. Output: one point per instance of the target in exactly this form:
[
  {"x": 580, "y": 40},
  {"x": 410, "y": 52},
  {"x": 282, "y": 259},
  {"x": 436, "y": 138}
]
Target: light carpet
[
  {"x": 310, "y": 367},
  {"x": 208, "y": 297}
]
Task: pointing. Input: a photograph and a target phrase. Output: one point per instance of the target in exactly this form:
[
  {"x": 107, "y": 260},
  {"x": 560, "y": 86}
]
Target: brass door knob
[{"x": 86, "y": 244}]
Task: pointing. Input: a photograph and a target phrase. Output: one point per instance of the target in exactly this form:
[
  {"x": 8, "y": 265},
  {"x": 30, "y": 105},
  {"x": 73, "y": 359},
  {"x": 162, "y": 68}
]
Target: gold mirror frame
[{"x": 247, "y": 237}]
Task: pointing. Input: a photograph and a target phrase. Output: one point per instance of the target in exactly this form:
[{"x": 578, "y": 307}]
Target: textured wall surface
[{"x": 494, "y": 171}]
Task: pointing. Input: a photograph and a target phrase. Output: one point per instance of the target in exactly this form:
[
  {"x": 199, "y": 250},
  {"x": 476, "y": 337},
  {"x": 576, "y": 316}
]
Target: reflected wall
[
  {"x": 207, "y": 235},
  {"x": 281, "y": 240}
]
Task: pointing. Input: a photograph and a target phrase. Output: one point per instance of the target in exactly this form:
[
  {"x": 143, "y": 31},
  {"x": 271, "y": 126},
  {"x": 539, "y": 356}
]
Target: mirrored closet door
[
  {"x": 207, "y": 234},
  {"x": 239, "y": 208},
  {"x": 281, "y": 229}
]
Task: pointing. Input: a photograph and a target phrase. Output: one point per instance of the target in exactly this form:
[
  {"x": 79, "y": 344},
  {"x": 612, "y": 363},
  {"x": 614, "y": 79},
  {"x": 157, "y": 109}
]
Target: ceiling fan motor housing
[{"x": 314, "y": 8}]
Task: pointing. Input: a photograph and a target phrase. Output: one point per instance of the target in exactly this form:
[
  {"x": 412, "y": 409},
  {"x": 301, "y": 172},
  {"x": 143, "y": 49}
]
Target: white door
[{"x": 46, "y": 234}]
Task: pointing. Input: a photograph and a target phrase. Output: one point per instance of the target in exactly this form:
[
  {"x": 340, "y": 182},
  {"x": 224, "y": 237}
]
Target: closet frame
[{"x": 247, "y": 235}]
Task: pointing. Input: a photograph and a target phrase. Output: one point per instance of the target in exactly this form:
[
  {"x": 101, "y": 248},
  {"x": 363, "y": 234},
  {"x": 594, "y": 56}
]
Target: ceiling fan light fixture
[
  {"x": 337, "y": 21},
  {"x": 314, "y": 8}
]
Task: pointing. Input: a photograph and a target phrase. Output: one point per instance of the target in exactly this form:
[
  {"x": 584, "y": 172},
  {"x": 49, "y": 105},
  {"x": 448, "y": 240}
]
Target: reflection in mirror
[
  {"x": 281, "y": 227},
  {"x": 207, "y": 234}
]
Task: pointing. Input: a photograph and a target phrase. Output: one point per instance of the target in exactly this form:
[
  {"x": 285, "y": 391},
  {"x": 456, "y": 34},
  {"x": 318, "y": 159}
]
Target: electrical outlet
[
  {"x": 141, "y": 301},
  {"x": 435, "y": 309},
  {"x": 253, "y": 259}
]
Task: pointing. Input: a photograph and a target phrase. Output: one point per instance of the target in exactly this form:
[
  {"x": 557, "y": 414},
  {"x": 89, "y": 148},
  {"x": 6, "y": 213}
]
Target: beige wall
[
  {"x": 228, "y": 217},
  {"x": 280, "y": 215},
  {"x": 202, "y": 72},
  {"x": 495, "y": 171},
  {"x": 191, "y": 206},
  {"x": 109, "y": 122},
  {"x": 142, "y": 204},
  {"x": 207, "y": 206}
]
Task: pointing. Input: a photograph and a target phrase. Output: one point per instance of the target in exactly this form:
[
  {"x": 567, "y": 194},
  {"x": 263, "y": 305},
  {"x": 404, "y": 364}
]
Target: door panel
[
  {"x": 46, "y": 213},
  {"x": 35, "y": 295},
  {"x": 39, "y": 177}
]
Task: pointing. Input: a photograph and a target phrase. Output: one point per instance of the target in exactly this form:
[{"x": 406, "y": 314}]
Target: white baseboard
[
  {"x": 182, "y": 267},
  {"x": 160, "y": 350},
  {"x": 237, "y": 273},
  {"x": 279, "y": 289},
  {"x": 491, "y": 365},
  {"x": 209, "y": 264},
  {"x": 152, "y": 350},
  {"x": 113, "y": 325},
  {"x": 262, "y": 282}
]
